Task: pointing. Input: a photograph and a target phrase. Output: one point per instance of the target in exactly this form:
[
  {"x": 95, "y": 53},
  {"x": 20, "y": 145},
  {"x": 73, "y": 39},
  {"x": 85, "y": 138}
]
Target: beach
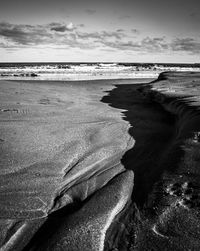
[{"x": 108, "y": 164}]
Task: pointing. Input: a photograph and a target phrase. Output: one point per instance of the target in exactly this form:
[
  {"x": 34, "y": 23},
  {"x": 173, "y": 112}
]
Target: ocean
[{"x": 84, "y": 71}]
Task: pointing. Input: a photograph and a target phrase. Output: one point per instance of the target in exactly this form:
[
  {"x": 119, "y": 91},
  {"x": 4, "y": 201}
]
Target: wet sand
[{"x": 100, "y": 164}]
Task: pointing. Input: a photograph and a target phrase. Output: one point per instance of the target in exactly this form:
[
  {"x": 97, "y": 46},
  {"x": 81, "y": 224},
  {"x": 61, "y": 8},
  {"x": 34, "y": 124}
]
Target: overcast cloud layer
[{"x": 110, "y": 31}]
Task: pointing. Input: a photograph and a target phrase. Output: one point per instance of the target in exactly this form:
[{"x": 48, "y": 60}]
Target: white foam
[{"x": 86, "y": 71}]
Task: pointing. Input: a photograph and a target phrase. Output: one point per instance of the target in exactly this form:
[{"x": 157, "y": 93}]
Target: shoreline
[{"x": 82, "y": 77}]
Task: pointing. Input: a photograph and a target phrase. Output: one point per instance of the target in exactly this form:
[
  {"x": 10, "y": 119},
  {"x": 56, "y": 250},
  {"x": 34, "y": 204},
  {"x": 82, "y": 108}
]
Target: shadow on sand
[{"x": 154, "y": 130}]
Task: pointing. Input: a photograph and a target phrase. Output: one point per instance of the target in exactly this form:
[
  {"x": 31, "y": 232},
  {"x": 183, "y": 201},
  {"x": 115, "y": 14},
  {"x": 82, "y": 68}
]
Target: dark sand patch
[{"x": 153, "y": 130}]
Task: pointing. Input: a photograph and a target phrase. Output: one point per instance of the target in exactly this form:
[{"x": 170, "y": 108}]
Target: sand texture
[
  {"x": 86, "y": 228},
  {"x": 100, "y": 165},
  {"x": 165, "y": 123},
  {"x": 59, "y": 144},
  {"x": 174, "y": 222}
]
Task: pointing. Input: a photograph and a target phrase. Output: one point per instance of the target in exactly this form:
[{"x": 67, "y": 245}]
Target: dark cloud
[
  {"x": 24, "y": 34},
  {"x": 157, "y": 44},
  {"x": 120, "y": 30},
  {"x": 101, "y": 35},
  {"x": 34, "y": 35},
  {"x": 61, "y": 27},
  {"x": 59, "y": 35},
  {"x": 123, "y": 45},
  {"x": 21, "y": 36},
  {"x": 87, "y": 35},
  {"x": 186, "y": 44},
  {"x": 147, "y": 45},
  {"x": 117, "y": 35}
]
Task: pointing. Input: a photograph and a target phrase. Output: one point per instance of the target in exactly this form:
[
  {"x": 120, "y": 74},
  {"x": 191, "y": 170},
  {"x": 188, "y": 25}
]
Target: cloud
[
  {"x": 123, "y": 45},
  {"x": 101, "y": 35},
  {"x": 81, "y": 25},
  {"x": 70, "y": 26},
  {"x": 24, "y": 34},
  {"x": 2, "y": 45},
  {"x": 120, "y": 30},
  {"x": 53, "y": 34},
  {"x": 61, "y": 28},
  {"x": 124, "y": 17},
  {"x": 147, "y": 44},
  {"x": 157, "y": 45},
  {"x": 135, "y": 31},
  {"x": 117, "y": 35},
  {"x": 186, "y": 44},
  {"x": 65, "y": 36},
  {"x": 58, "y": 27},
  {"x": 90, "y": 11}
]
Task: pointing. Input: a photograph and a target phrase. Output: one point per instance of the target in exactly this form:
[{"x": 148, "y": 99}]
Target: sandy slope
[
  {"x": 171, "y": 214},
  {"x": 165, "y": 123}
]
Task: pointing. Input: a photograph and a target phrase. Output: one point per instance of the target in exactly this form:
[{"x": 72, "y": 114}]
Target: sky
[{"x": 100, "y": 31}]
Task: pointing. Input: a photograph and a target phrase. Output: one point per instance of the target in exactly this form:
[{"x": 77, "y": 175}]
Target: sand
[
  {"x": 59, "y": 144},
  {"x": 86, "y": 229},
  {"x": 55, "y": 136},
  {"x": 169, "y": 215},
  {"x": 175, "y": 224},
  {"x": 65, "y": 150}
]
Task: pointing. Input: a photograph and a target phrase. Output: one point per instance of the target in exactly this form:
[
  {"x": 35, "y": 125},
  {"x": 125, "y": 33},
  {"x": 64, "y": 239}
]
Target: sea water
[{"x": 85, "y": 71}]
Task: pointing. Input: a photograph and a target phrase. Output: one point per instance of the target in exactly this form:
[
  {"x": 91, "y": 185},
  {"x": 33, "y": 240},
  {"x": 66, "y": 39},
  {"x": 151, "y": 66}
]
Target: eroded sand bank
[
  {"x": 171, "y": 212},
  {"x": 165, "y": 161},
  {"x": 61, "y": 142}
]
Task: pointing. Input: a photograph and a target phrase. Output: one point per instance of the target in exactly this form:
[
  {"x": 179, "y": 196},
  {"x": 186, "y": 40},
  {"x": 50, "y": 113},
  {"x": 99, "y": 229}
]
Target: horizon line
[{"x": 95, "y": 62}]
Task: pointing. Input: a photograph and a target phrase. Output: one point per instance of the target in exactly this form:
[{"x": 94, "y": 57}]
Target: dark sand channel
[
  {"x": 88, "y": 165},
  {"x": 165, "y": 121}
]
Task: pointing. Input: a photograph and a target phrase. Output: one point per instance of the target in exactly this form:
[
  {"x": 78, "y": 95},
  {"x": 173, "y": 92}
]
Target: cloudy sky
[{"x": 94, "y": 31}]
